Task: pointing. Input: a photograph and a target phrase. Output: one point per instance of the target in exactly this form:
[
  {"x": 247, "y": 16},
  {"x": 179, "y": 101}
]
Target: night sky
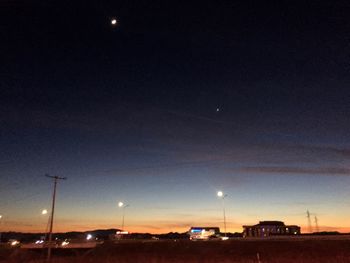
[{"x": 175, "y": 102}]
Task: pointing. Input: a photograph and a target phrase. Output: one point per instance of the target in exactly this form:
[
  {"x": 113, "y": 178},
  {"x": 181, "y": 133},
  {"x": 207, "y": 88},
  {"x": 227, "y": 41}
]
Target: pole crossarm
[{"x": 56, "y": 177}]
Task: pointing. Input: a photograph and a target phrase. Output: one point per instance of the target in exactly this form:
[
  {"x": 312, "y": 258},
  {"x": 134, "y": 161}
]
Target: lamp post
[
  {"x": 44, "y": 212},
  {"x": 123, "y": 206},
  {"x": 221, "y": 195}
]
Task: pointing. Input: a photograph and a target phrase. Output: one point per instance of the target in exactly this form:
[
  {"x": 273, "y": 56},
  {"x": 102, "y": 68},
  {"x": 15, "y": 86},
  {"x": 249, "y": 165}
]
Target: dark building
[{"x": 270, "y": 228}]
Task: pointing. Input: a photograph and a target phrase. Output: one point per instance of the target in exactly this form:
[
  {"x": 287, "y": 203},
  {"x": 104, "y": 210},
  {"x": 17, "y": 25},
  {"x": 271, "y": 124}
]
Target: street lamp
[
  {"x": 44, "y": 212},
  {"x": 221, "y": 195},
  {"x": 123, "y": 206}
]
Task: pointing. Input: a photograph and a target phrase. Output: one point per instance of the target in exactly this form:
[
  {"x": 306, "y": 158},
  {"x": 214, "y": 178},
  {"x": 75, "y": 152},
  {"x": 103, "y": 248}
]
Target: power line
[{"x": 204, "y": 163}]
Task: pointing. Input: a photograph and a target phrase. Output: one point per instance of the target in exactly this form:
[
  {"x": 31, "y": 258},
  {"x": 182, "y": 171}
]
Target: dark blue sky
[{"x": 130, "y": 112}]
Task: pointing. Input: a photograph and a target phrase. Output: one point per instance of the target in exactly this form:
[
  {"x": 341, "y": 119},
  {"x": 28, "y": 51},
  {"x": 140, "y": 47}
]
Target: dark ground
[{"x": 275, "y": 250}]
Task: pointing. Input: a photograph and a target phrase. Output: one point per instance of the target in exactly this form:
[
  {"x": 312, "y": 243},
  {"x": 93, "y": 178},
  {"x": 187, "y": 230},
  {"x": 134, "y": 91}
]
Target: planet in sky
[{"x": 114, "y": 21}]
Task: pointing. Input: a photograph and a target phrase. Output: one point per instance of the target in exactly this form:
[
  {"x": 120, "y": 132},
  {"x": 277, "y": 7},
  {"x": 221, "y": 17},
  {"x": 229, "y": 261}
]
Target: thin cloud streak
[{"x": 297, "y": 170}]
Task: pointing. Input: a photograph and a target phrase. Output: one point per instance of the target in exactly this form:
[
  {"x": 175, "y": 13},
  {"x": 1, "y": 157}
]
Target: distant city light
[
  {"x": 88, "y": 237},
  {"x": 14, "y": 243},
  {"x": 122, "y": 232},
  {"x": 64, "y": 243},
  {"x": 44, "y": 212},
  {"x": 114, "y": 21},
  {"x": 220, "y": 194},
  {"x": 120, "y": 204}
]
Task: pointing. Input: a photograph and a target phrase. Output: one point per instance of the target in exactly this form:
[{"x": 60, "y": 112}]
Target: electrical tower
[
  {"x": 316, "y": 223},
  {"x": 309, "y": 220},
  {"x": 55, "y": 178}
]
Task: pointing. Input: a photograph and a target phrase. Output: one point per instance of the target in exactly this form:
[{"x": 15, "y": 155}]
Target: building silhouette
[{"x": 270, "y": 228}]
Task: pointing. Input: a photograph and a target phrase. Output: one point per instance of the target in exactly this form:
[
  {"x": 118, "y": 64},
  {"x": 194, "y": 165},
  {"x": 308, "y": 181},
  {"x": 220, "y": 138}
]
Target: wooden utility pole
[{"x": 56, "y": 178}]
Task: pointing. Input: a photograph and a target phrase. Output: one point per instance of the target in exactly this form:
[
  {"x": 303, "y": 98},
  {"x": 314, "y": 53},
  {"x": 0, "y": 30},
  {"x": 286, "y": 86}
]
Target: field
[{"x": 308, "y": 250}]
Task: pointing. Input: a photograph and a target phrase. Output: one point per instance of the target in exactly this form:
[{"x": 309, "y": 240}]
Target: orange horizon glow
[{"x": 156, "y": 229}]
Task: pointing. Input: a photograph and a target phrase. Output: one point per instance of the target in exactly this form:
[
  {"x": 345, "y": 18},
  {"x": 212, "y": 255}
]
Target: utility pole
[{"x": 56, "y": 178}]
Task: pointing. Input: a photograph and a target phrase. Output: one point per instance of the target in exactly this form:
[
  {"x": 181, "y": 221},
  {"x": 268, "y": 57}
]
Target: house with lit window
[{"x": 270, "y": 228}]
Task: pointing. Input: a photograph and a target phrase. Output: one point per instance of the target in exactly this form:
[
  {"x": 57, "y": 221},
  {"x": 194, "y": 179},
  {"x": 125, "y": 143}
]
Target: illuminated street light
[
  {"x": 122, "y": 205},
  {"x": 88, "y": 237},
  {"x": 44, "y": 213},
  {"x": 222, "y": 196}
]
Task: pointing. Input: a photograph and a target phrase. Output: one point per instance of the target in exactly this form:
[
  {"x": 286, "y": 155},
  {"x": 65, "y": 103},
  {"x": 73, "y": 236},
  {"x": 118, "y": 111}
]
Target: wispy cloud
[{"x": 296, "y": 170}]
